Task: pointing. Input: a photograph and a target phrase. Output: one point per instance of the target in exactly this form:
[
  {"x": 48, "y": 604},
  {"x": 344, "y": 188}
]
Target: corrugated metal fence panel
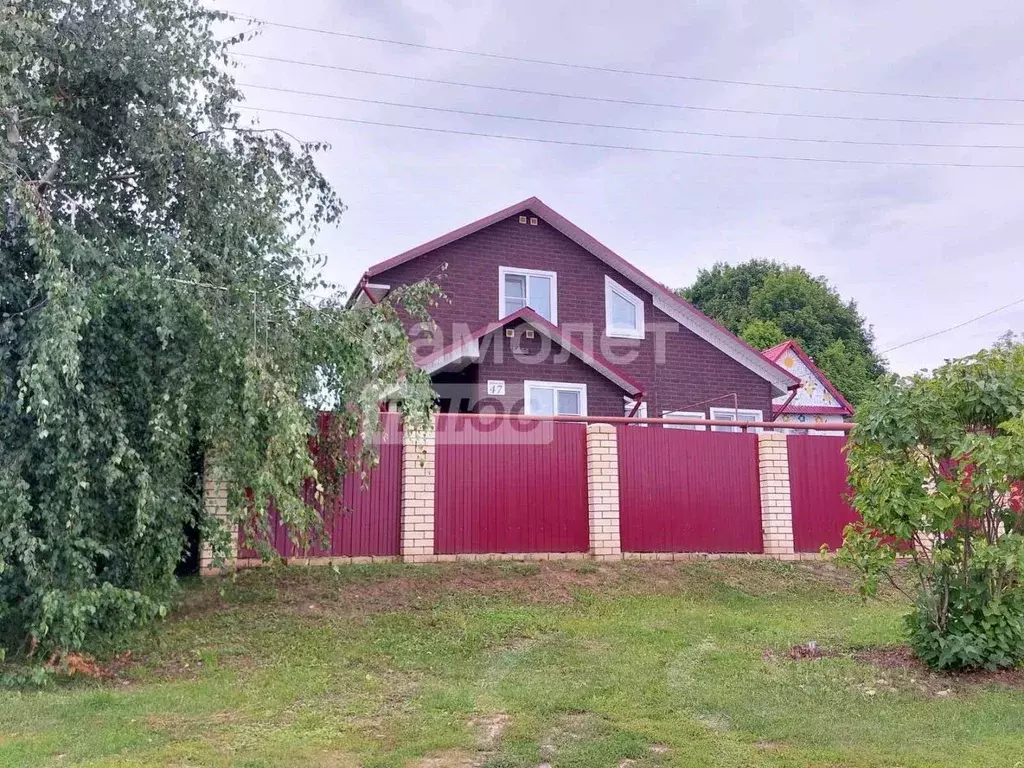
[
  {"x": 688, "y": 491},
  {"x": 367, "y": 520},
  {"x": 361, "y": 521},
  {"x": 505, "y": 485},
  {"x": 278, "y": 536},
  {"x": 818, "y": 489}
]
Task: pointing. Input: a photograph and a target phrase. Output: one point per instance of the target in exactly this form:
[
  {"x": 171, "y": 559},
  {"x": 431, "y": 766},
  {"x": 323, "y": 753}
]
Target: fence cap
[{"x": 743, "y": 426}]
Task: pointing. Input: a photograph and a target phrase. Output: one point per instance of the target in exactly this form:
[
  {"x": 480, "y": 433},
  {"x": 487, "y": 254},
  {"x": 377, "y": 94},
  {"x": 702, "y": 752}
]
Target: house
[
  {"x": 541, "y": 318},
  {"x": 817, "y": 401}
]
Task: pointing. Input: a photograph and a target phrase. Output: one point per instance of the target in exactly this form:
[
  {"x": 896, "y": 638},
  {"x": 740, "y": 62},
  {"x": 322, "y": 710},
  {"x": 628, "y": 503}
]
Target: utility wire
[
  {"x": 578, "y": 123},
  {"x": 619, "y": 71},
  {"x": 954, "y": 327},
  {"x": 630, "y": 102},
  {"x": 510, "y": 137}
]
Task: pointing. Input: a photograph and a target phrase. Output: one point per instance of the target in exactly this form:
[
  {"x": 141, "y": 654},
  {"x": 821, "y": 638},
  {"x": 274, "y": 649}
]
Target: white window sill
[{"x": 622, "y": 333}]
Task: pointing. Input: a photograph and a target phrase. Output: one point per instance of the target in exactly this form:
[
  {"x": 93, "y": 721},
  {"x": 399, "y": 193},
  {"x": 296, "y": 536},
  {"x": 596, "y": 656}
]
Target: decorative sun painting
[{"x": 816, "y": 401}]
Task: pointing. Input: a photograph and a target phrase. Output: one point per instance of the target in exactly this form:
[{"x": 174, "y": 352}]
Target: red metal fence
[
  {"x": 688, "y": 491},
  {"x": 362, "y": 520},
  {"x": 518, "y": 485},
  {"x": 818, "y": 490},
  {"x": 508, "y": 485}
]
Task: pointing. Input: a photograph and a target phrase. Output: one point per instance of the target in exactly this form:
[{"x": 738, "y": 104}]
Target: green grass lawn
[{"x": 514, "y": 666}]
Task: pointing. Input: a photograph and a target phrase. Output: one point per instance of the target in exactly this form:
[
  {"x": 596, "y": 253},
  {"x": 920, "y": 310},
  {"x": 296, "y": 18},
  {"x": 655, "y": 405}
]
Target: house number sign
[{"x": 495, "y": 387}]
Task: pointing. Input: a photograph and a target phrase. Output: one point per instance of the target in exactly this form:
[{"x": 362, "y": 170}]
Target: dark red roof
[
  {"x": 836, "y": 409},
  {"x": 774, "y": 353},
  {"x": 528, "y": 316}
]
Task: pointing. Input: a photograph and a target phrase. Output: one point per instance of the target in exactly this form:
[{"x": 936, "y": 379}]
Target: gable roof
[
  {"x": 367, "y": 293},
  {"x": 468, "y": 347},
  {"x": 667, "y": 301},
  {"x": 776, "y": 352}
]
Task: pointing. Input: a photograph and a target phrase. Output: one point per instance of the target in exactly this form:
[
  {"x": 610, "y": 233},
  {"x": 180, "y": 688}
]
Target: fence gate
[
  {"x": 508, "y": 485},
  {"x": 363, "y": 520},
  {"x": 818, "y": 490},
  {"x": 684, "y": 490}
]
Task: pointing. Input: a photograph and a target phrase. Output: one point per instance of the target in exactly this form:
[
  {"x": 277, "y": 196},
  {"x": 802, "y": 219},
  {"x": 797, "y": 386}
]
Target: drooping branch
[{"x": 34, "y": 308}]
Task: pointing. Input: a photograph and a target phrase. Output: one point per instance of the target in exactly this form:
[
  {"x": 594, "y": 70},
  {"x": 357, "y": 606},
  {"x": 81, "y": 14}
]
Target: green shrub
[
  {"x": 935, "y": 466},
  {"x": 981, "y": 629}
]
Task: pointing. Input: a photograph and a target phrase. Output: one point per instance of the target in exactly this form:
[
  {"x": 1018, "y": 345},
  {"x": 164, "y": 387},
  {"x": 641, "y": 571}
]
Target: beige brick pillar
[
  {"x": 215, "y": 504},
  {"x": 418, "y": 496},
  {"x": 603, "y": 491},
  {"x": 776, "y": 506}
]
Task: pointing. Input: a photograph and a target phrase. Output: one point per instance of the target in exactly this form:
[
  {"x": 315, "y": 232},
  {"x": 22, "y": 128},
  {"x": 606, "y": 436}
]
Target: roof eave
[{"x": 470, "y": 345}]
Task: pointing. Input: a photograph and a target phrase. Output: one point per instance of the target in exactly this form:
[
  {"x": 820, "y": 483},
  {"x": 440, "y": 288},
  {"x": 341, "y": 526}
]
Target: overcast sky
[{"x": 918, "y": 248}]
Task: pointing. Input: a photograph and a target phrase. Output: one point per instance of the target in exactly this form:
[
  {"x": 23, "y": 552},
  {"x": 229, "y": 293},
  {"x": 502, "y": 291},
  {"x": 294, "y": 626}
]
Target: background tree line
[{"x": 766, "y": 302}]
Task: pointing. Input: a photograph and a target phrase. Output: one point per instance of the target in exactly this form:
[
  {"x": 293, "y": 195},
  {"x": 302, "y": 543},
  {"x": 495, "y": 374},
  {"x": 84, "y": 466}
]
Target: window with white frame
[
  {"x": 733, "y": 414},
  {"x": 548, "y": 398},
  {"x": 684, "y": 415},
  {"x": 629, "y": 404},
  {"x": 623, "y": 312},
  {"x": 533, "y": 288}
]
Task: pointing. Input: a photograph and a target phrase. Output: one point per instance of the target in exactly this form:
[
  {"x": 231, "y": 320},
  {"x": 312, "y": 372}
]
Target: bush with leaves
[
  {"x": 935, "y": 466},
  {"x": 156, "y": 304}
]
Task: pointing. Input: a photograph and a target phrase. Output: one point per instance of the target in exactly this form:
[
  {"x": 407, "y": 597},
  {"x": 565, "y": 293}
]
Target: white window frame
[
  {"x": 629, "y": 404},
  {"x": 610, "y": 287},
  {"x": 685, "y": 415},
  {"x": 555, "y": 385},
  {"x": 736, "y": 414},
  {"x": 553, "y": 276}
]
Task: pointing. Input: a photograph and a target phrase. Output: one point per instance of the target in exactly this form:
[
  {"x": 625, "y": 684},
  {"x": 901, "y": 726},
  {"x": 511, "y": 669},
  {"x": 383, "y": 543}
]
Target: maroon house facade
[{"x": 540, "y": 318}]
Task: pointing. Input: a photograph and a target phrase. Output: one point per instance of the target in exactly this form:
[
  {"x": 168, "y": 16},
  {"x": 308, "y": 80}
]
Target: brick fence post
[
  {"x": 776, "y": 504},
  {"x": 418, "y": 477},
  {"x": 603, "y": 491},
  {"x": 215, "y": 504}
]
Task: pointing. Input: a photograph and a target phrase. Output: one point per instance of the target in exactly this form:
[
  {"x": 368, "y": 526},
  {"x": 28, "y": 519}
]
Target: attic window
[
  {"x": 623, "y": 312},
  {"x": 533, "y": 288}
]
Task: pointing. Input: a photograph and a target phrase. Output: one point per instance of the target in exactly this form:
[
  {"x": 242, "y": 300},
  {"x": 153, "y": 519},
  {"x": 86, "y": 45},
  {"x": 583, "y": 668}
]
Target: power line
[
  {"x": 578, "y": 123},
  {"x": 619, "y": 71},
  {"x": 510, "y": 137},
  {"x": 630, "y": 102},
  {"x": 954, "y": 327}
]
